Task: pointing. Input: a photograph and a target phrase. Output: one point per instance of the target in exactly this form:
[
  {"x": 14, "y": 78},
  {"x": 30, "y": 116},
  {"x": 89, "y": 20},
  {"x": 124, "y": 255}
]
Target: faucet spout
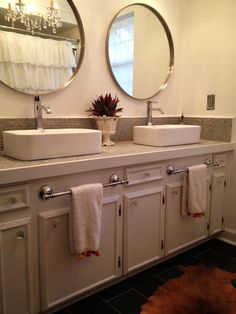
[
  {"x": 38, "y": 108},
  {"x": 150, "y": 109}
]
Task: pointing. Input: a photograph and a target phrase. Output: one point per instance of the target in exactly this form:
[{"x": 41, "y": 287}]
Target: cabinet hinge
[
  {"x": 119, "y": 210},
  {"x": 163, "y": 199},
  {"x": 119, "y": 262},
  {"x": 222, "y": 220},
  {"x": 225, "y": 183},
  {"x": 208, "y": 226},
  {"x": 162, "y": 244}
]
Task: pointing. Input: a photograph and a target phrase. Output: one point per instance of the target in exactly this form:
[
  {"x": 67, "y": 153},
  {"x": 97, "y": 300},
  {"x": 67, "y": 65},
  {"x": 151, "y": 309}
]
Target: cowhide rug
[{"x": 200, "y": 290}]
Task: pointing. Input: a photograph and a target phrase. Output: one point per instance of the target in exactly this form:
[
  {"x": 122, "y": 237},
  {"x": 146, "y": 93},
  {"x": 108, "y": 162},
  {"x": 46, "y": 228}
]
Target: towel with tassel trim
[
  {"x": 86, "y": 219},
  {"x": 194, "y": 191}
]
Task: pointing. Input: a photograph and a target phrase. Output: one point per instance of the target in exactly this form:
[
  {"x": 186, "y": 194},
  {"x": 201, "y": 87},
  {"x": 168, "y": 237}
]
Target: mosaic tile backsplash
[{"x": 216, "y": 129}]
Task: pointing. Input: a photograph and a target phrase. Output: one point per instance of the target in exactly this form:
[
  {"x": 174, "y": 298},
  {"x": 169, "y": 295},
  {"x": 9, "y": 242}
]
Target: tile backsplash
[{"x": 216, "y": 129}]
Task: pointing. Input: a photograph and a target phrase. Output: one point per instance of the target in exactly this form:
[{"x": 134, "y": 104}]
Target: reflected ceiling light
[{"x": 34, "y": 21}]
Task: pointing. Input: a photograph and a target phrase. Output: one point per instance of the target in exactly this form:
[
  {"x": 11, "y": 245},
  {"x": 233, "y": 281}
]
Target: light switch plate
[{"x": 211, "y": 102}]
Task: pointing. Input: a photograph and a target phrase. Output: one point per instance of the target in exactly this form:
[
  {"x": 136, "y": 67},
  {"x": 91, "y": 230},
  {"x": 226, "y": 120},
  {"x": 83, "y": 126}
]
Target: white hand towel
[
  {"x": 197, "y": 190},
  {"x": 86, "y": 219},
  {"x": 184, "y": 200},
  {"x": 194, "y": 202}
]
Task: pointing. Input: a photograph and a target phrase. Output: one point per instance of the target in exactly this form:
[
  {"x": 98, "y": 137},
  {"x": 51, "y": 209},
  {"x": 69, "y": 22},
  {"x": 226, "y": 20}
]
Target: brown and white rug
[{"x": 200, "y": 290}]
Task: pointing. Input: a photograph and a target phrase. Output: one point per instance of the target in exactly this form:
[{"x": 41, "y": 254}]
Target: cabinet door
[
  {"x": 64, "y": 275},
  {"x": 217, "y": 202},
  {"x": 143, "y": 227},
  {"x": 15, "y": 263},
  {"x": 181, "y": 231}
]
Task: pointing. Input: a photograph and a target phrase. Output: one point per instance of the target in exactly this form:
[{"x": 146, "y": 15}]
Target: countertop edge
[{"x": 63, "y": 167}]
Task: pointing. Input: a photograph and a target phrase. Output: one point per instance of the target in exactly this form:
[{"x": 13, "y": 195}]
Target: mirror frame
[
  {"x": 82, "y": 51},
  {"x": 170, "y": 43}
]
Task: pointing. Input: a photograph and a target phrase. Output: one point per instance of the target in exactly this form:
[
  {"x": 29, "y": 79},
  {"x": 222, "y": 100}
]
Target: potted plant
[{"x": 105, "y": 110}]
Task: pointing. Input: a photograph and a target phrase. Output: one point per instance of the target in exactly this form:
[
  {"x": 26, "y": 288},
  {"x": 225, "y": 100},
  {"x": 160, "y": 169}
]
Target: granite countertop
[{"x": 122, "y": 154}]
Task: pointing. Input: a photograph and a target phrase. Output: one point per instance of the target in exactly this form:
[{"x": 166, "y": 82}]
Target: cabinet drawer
[
  {"x": 142, "y": 174},
  {"x": 14, "y": 198}
]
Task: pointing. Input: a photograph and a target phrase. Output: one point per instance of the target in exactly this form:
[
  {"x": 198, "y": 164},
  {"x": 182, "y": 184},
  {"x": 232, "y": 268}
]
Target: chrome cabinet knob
[
  {"x": 12, "y": 200},
  {"x": 20, "y": 234}
]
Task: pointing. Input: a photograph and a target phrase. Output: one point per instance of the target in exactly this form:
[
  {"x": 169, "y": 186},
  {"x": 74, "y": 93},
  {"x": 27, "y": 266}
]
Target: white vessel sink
[
  {"x": 51, "y": 143},
  {"x": 167, "y": 134}
]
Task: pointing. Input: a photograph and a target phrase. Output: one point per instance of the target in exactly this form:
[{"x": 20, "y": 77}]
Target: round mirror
[
  {"x": 140, "y": 51},
  {"x": 41, "y": 45}
]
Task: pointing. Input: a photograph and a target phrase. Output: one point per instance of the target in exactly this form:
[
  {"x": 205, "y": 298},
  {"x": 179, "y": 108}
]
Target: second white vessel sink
[
  {"x": 51, "y": 143},
  {"x": 166, "y": 134}
]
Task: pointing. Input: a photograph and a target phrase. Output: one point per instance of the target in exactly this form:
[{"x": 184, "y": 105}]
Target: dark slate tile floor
[{"x": 127, "y": 296}]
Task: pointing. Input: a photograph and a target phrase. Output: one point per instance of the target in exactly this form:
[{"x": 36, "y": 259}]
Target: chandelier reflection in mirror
[{"x": 31, "y": 20}]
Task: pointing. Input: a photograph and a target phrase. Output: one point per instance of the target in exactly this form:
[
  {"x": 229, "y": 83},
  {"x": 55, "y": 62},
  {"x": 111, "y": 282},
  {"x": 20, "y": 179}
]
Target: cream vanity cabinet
[
  {"x": 182, "y": 231},
  {"x": 219, "y": 178},
  {"x": 17, "y": 289},
  {"x": 63, "y": 275},
  {"x": 132, "y": 232},
  {"x": 143, "y": 216},
  {"x": 141, "y": 223}
]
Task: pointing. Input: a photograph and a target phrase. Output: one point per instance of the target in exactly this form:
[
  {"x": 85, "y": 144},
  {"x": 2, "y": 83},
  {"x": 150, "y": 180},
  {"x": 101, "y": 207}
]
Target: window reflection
[
  {"x": 121, "y": 50},
  {"x": 140, "y": 51}
]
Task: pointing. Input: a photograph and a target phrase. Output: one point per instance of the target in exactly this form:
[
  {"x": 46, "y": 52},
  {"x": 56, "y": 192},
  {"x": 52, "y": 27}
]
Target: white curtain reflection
[
  {"x": 33, "y": 64},
  {"x": 121, "y": 50}
]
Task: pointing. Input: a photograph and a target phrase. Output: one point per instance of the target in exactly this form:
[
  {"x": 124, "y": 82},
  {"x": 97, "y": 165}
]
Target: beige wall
[
  {"x": 208, "y": 56},
  {"x": 208, "y": 67},
  {"x": 231, "y": 199},
  {"x": 93, "y": 77}
]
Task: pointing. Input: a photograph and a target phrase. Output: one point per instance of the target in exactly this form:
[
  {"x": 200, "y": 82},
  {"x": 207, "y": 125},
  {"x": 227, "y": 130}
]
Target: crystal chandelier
[{"x": 36, "y": 21}]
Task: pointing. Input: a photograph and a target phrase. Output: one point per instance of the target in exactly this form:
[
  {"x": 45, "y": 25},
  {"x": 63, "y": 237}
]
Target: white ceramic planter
[{"x": 108, "y": 127}]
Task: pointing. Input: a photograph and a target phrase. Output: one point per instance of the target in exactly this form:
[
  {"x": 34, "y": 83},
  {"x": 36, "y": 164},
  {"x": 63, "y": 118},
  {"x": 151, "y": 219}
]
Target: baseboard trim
[
  {"x": 228, "y": 237},
  {"x": 230, "y": 230}
]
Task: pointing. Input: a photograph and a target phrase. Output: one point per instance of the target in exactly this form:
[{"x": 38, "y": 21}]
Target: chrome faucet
[
  {"x": 150, "y": 109},
  {"x": 38, "y": 109}
]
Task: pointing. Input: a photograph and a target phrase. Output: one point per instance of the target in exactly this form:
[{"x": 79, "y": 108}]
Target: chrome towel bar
[
  {"x": 170, "y": 170},
  {"x": 46, "y": 191}
]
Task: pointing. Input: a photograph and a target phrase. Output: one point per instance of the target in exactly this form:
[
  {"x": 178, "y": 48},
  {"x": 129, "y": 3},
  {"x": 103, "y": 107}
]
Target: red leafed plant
[{"x": 105, "y": 106}]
